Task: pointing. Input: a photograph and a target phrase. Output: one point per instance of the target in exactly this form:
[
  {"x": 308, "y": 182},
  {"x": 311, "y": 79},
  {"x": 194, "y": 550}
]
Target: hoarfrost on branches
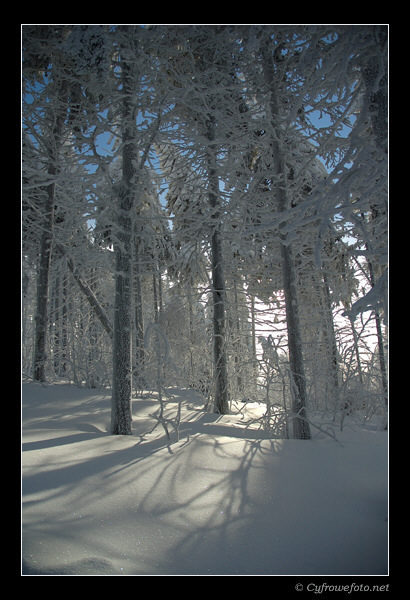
[{"x": 238, "y": 161}]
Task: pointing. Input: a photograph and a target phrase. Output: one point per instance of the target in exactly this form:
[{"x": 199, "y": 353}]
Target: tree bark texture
[
  {"x": 121, "y": 403},
  {"x": 43, "y": 276},
  {"x": 221, "y": 391},
  {"x": 301, "y": 429}
]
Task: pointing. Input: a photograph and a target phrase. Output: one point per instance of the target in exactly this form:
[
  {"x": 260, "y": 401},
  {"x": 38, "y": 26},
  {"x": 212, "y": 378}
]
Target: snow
[{"x": 223, "y": 500}]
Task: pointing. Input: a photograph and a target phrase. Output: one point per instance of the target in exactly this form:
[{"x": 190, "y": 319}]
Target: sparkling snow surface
[{"x": 223, "y": 500}]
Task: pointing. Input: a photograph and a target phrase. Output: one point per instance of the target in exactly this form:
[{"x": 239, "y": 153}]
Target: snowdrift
[{"x": 223, "y": 500}]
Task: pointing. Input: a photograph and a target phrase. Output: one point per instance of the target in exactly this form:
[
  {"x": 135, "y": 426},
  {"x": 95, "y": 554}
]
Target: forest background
[{"x": 206, "y": 206}]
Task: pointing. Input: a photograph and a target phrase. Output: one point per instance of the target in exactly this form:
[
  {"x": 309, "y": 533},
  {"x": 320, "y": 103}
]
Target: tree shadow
[
  {"x": 145, "y": 504},
  {"x": 189, "y": 483}
]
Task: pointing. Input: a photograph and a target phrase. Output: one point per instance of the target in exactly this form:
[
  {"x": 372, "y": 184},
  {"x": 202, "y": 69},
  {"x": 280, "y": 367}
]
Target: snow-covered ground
[{"x": 223, "y": 500}]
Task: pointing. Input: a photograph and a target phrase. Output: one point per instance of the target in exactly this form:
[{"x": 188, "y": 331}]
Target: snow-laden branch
[{"x": 375, "y": 299}]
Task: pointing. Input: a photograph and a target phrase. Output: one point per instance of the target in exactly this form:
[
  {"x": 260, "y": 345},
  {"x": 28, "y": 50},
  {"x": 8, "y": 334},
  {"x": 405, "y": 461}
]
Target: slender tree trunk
[
  {"x": 121, "y": 404},
  {"x": 357, "y": 350},
  {"x": 92, "y": 378},
  {"x": 155, "y": 296},
  {"x": 191, "y": 344},
  {"x": 221, "y": 398},
  {"x": 382, "y": 358},
  {"x": 43, "y": 276},
  {"x": 237, "y": 345},
  {"x": 122, "y": 372},
  {"x": 59, "y": 327},
  {"x": 301, "y": 429},
  {"x": 376, "y": 101},
  {"x": 329, "y": 330},
  {"x": 254, "y": 356},
  {"x": 139, "y": 318}
]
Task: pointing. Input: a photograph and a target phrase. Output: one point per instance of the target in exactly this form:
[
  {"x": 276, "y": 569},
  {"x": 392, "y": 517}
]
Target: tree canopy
[{"x": 222, "y": 187}]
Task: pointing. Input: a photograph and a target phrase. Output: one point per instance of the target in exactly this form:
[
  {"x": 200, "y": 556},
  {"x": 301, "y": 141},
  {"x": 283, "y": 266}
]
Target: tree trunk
[
  {"x": 139, "y": 351},
  {"x": 375, "y": 76},
  {"x": 43, "y": 276},
  {"x": 221, "y": 398},
  {"x": 121, "y": 404},
  {"x": 237, "y": 345},
  {"x": 121, "y": 417},
  {"x": 301, "y": 429},
  {"x": 254, "y": 356},
  {"x": 329, "y": 331},
  {"x": 382, "y": 358}
]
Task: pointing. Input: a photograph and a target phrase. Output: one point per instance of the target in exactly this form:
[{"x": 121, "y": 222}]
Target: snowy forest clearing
[{"x": 223, "y": 500}]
